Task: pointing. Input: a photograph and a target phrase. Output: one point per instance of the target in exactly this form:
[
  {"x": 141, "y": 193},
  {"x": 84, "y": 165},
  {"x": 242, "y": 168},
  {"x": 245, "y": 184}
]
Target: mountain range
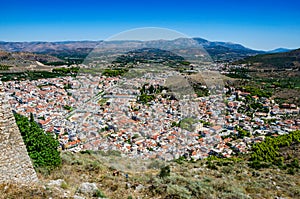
[
  {"x": 219, "y": 51},
  {"x": 280, "y": 50}
]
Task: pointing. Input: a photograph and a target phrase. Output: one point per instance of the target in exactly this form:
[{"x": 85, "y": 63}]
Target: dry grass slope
[{"x": 217, "y": 179}]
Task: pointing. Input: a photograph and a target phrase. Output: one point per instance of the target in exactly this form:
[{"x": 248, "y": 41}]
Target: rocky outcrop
[
  {"x": 88, "y": 188},
  {"x": 15, "y": 164}
]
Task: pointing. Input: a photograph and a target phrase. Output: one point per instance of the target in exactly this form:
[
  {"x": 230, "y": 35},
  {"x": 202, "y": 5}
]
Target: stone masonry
[{"x": 15, "y": 164}]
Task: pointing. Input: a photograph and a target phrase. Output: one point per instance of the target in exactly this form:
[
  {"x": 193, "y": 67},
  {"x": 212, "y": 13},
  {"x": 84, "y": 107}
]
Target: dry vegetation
[{"x": 202, "y": 179}]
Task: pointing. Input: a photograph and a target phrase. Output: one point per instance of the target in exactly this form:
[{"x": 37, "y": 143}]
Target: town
[{"x": 97, "y": 112}]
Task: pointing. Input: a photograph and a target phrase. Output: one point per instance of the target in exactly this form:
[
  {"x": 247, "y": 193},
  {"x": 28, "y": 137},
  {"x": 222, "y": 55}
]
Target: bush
[
  {"x": 291, "y": 171},
  {"x": 295, "y": 163},
  {"x": 165, "y": 171},
  {"x": 175, "y": 191},
  {"x": 99, "y": 194}
]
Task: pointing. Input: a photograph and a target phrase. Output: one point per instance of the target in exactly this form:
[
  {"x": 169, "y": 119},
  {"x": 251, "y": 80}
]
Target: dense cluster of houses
[{"x": 103, "y": 113}]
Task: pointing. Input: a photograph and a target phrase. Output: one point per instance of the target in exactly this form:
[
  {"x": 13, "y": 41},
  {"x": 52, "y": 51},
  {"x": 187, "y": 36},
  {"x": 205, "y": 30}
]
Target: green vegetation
[
  {"x": 241, "y": 73},
  {"x": 151, "y": 55},
  {"x": 165, "y": 171},
  {"x": 202, "y": 92},
  {"x": 42, "y": 147},
  {"x": 188, "y": 123},
  {"x": 205, "y": 123},
  {"x": 223, "y": 53},
  {"x": 281, "y": 82},
  {"x": 102, "y": 101},
  {"x": 69, "y": 56},
  {"x": 277, "y": 60},
  {"x": 256, "y": 91},
  {"x": 144, "y": 98},
  {"x": 242, "y": 133},
  {"x": 114, "y": 72},
  {"x": 267, "y": 152},
  {"x": 99, "y": 194},
  {"x": 67, "y": 86},
  {"x": 4, "y": 67},
  {"x": 34, "y": 75},
  {"x": 57, "y": 63},
  {"x": 148, "y": 92},
  {"x": 67, "y": 107},
  {"x": 157, "y": 89}
]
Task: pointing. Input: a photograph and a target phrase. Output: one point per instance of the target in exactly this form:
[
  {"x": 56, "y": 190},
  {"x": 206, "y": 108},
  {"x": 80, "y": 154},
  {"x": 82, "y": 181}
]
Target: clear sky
[{"x": 263, "y": 24}]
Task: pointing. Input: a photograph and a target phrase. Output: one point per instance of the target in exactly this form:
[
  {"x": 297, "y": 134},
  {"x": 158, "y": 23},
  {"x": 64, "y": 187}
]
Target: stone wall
[{"x": 15, "y": 164}]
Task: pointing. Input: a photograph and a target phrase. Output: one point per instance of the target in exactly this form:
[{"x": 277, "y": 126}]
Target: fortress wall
[{"x": 15, "y": 164}]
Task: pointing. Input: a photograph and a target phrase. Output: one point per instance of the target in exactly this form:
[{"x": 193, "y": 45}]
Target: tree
[
  {"x": 31, "y": 117},
  {"x": 151, "y": 89},
  {"x": 268, "y": 151},
  {"x": 41, "y": 147}
]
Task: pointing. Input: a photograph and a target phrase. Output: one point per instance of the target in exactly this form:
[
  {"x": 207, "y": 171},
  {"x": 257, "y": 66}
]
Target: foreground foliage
[{"x": 41, "y": 147}]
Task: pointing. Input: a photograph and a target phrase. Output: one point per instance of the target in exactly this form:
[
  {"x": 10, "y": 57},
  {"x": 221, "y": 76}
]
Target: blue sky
[{"x": 255, "y": 24}]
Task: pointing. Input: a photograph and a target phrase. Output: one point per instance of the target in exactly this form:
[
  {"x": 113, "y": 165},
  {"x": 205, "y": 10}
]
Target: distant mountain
[
  {"x": 64, "y": 50},
  {"x": 280, "y": 50},
  {"x": 286, "y": 60},
  {"x": 206, "y": 43},
  {"x": 226, "y": 51},
  {"x": 219, "y": 51},
  {"x": 45, "y": 47}
]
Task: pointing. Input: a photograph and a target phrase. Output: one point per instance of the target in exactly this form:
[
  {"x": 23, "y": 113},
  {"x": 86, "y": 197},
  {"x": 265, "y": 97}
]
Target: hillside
[
  {"x": 286, "y": 60},
  {"x": 276, "y": 72},
  {"x": 67, "y": 50},
  {"x": 230, "y": 178},
  {"x": 18, "y": 61}
]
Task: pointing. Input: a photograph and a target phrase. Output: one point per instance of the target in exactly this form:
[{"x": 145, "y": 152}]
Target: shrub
[
  {"x": 295, "y": 163},
  {"x": 175, "y": 191},
  {"x": 165, "y": 171},
  {"x": 64, "y": 185},
  {"x": 99, "y": 194},
  {"x": 291, "y": 171},
  {"x": 211, "y": 165}
]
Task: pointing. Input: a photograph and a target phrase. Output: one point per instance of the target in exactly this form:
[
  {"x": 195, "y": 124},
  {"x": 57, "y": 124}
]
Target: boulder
[{"x": 88, "y": 188}]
